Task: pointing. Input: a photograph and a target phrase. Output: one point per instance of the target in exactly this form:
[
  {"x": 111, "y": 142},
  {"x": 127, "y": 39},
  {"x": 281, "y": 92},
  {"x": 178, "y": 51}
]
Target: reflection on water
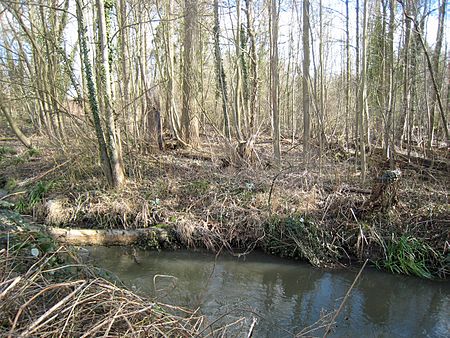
[{"x": 287, "y": 296}]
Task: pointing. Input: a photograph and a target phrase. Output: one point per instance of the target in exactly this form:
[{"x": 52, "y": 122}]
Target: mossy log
[{"x": 108, "y": 236}]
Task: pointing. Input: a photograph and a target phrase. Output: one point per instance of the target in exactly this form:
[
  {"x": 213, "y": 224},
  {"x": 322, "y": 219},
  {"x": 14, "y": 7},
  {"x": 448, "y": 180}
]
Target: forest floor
[{"x": 320, "y": 211}]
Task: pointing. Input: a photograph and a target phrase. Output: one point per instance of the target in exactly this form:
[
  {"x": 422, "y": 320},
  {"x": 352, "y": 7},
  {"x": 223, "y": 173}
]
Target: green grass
[
  {"x": 5, "y": 150},
  {"x": 33, "y": 152},
  {"x": 11, "y": 184},
  {"x": 196, "y": 188},
  {"x": 409, "y": 255},
  {"x": 33, "y": 197},
  {"x": 298, "y": 237}
]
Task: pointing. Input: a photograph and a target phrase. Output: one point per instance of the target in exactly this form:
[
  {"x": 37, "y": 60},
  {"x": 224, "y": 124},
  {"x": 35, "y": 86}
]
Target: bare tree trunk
[
  {"x": 413, "y": 91},
  {"x": 306, "y": 80},
  {"x": 418, "y": 30},
  {"x": 15, "y": 128},
  {"x": 357, "y": 78},
  {"x": 274, "y": 81},
  {"x": 107, "y": 237},
  {"x": 448, "y": 85},
  {"x": 220, "y": 72},
  {"x": 253, "y": 69},
  {"x": 406, "y": 116},
  {"x": 124, "y": 68},
  {"x": 114, "y": 148},
  {"x": 172, "y": 118},
  {"x": 348, "y": 70},
  {"x": 288, "y": 91},
  {"x": 322, "y": 88},
  {"x": 190, "y": 122},
  {"x": 389, "y": 108},
  {"x": 238, "y": 85},
  {"x": 435, "y": 68},
  {"x": 362, "y": 97}
]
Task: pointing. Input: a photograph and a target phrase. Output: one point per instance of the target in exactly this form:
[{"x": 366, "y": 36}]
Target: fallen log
[{"x": 109, "y": 236}]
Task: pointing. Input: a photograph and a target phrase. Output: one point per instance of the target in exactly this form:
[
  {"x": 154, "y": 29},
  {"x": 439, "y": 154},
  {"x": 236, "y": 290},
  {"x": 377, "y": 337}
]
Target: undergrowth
[
  {"x": 327, "y": 217},
  {"x": 297, "y": 237},
  {"x": 33, "y": 196},
  {"x": 411, "y": 256}
]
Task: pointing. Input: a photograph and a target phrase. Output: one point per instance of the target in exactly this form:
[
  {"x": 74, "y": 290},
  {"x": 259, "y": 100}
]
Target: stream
[{"x": 285, "y": 296}]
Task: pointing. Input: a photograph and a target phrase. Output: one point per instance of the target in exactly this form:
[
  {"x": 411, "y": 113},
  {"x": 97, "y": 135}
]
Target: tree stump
[{"x": 384, "y": 191}]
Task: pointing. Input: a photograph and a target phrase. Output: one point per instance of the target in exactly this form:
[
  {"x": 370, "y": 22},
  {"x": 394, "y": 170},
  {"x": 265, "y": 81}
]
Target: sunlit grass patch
[{"x": 409, "y": 255}]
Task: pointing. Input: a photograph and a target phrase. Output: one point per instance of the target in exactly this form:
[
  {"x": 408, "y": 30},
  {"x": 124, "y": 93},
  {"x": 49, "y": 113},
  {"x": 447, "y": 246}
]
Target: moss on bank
[{"x": 300, "y": 238}]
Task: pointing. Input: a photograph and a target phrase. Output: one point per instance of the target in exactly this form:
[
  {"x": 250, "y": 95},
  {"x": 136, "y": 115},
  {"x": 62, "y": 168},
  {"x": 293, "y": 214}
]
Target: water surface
[{"x": 285, "y": 296}]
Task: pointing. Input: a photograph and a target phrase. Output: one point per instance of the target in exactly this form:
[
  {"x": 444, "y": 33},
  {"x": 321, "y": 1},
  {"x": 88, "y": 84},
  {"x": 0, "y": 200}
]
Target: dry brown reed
[{"x": 38, "y": 298}]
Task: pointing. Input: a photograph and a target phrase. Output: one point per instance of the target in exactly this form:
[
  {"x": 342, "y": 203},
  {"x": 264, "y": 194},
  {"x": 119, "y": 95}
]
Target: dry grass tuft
[
  {"x": 192, "y": 234},
  {"x": 58, "y": 211}
]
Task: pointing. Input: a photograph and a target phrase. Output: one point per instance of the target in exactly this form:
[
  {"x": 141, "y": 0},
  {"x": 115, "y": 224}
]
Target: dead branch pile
[{"x": 39, "y": 298}]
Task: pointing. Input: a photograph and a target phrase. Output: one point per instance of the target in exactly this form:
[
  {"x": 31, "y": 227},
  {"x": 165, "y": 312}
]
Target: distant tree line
[{"x": 138, "y": 74}]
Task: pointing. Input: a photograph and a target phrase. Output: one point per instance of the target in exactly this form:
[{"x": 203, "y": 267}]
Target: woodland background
[{"x": 135, "y": 75}]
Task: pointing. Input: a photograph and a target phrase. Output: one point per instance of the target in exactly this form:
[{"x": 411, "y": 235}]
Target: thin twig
[
  {"x": 11, "y": 286},
  {"x": 34, "y": 325},
  {"x": 344, "y": 300},
  {"x": 38, "y": 177},
  {"x": 252, "y": 327},
  {"x": 13, "y": 194}
]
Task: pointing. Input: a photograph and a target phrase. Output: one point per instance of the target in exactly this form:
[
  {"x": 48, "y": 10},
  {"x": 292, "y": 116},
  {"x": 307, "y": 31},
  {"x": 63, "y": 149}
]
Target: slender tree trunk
[
  {"x": 406, "y": 116},
  {"x": 357, "y": 78},
  {"x": 244, "y": 96},
  {"x": 274, "y": 81},
  {"x": 124, "y": 68},
  {"x": 363, "y": 94},
  {"x": 15, "y": 128},
  {"x": 435, "y": 69},
  {"x": 413, "y": 90},
  {"x": 390, "y": 151},
  {"x": 190, "y": 122},
  {"x": 306, "y": 80},
  {"x": 114, "y": 147},
  {"x": 418, "y": 29},
  {"x": 448, "y": 86},
  {"x": 170, "y": 104},
  {"x": 238, "y": 85},
  {"x": 253, "y": 69},
  {"x": 220, "y": 72},
  {"x": 321, "y": 89},
  {"x": 288, "y": 120},
  {"x": 348, "y": 70},
  {"x": 93, "y": 102}
]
